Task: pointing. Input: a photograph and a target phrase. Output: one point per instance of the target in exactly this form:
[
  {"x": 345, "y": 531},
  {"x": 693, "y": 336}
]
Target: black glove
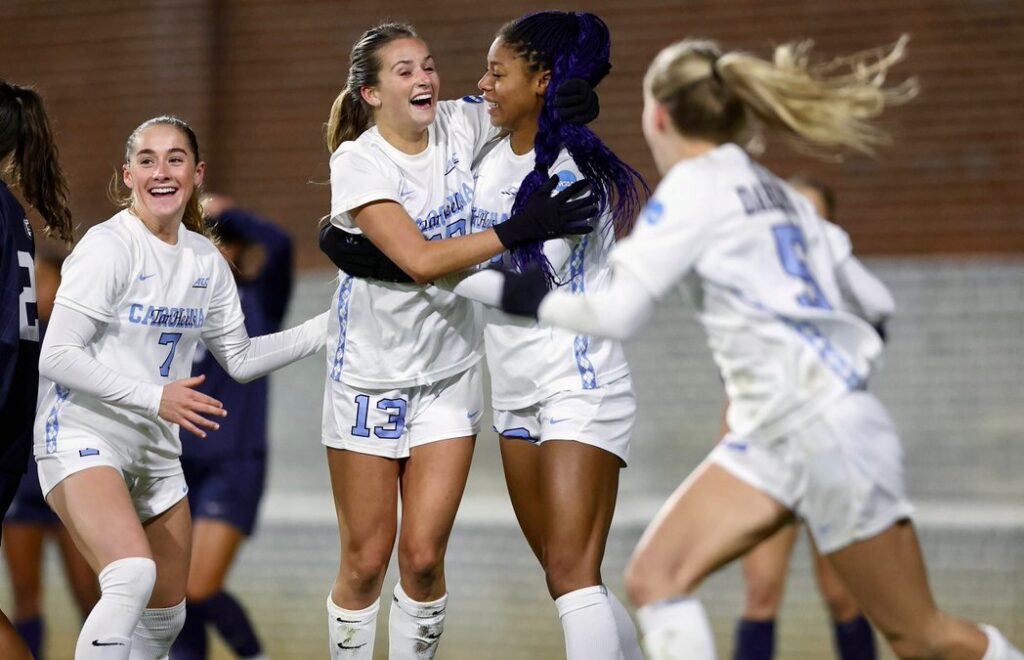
[
  {"x": 358, "y": 256},
  {"x": 576, "y": 102},
  {"x": 544, "y": 216},
  {"x": 523, "y": 292}
]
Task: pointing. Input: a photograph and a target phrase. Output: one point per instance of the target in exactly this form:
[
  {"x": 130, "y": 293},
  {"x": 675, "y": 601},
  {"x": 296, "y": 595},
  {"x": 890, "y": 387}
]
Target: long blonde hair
[
  {"x": 350, "y": 114},
  {"x": 818, "y": 108},
  {"x": 193, "y": 219}
]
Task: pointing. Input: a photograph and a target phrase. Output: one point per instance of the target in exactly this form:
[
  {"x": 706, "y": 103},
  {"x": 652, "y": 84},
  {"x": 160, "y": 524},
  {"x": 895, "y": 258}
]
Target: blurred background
[{"x": 939, "y": 216}]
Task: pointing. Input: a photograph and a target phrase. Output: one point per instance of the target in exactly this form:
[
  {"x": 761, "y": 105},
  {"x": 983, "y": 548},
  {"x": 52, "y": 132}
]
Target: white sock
[
  {"x": 588, "y": 624},
  {"x": 676, "y": 629},
  {"x": 157, "y": 629},
  {"x": 998, "y": 647},
  {"x": 629, "y": 645},
  {"x": 351, "y": 631},
  {"x": 415, "y": 628},
  {"x": 125, "y": 587}
]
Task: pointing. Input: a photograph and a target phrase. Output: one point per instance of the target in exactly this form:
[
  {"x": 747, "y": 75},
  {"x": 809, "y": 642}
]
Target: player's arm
[
  {"x": 10, "y": 314},
  {"x": 246, "y": 358},
  {"x": 543, "y": 217},
  {"x": 867, "y": 295},
  {"x": 64, "y": 360}
]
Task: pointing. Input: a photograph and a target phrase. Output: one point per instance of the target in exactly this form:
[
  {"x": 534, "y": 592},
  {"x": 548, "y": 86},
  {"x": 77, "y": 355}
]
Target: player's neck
[
  {"x": 409, "y": 142},
  {"x": 165, "y": 229}
]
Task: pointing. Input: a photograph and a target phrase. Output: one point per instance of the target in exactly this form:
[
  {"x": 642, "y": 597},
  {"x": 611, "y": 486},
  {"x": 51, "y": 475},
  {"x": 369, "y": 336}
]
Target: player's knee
[
  {"x": 928, "y": 637},
  {"x": 129, "y": 580},
  {"x": 764, "y": 596},
  {"x": 421, "y": 562},
  {"x": 567, "y": 572},
  {"x": 364, "y": 571},
  {"x": 199, "y": 592},
  {"x": 841, "y": 607}
]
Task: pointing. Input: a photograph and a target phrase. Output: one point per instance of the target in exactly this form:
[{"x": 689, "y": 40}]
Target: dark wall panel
[{"x": 257, "y": 78}]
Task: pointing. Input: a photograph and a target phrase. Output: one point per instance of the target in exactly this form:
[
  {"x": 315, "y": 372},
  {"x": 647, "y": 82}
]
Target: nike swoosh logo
[
  {"x": 97, "y": 642},
  {"x": 143, "y": 278},
  {"x": 471, "y": 415},
  {"x": 557, "y": 421},
  {"x": 341, "y": 645},
  {"x": 450, "y": 170}
]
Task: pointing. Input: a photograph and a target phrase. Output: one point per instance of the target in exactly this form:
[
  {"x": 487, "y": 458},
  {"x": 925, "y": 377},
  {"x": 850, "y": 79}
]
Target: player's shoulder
[
  {"x": 365, "y": 153},
  {"x": 116, "y": 233},
  {"x": 200, "y": 244}
]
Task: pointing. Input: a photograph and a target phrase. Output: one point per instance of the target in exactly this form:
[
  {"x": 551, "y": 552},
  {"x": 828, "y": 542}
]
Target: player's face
[
  {"x": 162, "y": 173},
  {"x": 514, "y": 94},
  {"x": 653, "y": 122},
  {"x": 405, "y": 97}
]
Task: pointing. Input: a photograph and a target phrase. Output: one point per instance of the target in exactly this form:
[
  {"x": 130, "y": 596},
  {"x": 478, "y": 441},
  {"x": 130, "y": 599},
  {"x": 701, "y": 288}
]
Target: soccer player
[
  {"x": 29, "y": 520},
  {"x": 28, "y": 155},
  {"x": 563, "y": 402},
  {"x": 225, "y": 472},
  {"x": 805, "y": 437},
  {"x": 765, "y": 567},
  {"x": 402, "y": 399},
  {"x": 137, "y": 294}
]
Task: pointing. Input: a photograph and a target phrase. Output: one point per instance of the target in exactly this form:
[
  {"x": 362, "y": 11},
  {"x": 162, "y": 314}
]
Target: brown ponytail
[{"x": 25, "y": 130}]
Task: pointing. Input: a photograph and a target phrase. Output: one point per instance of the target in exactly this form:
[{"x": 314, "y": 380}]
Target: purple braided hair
[{"x": 571, "y": 45}]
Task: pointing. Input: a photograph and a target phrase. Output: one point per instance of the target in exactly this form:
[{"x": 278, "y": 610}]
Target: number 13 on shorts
[{"x": 393, "y": 408}]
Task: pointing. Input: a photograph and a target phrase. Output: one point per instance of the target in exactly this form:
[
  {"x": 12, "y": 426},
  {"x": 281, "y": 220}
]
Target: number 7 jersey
[
  {"x": 759, "y": 264},
  {"x": 153, "y": 301}
]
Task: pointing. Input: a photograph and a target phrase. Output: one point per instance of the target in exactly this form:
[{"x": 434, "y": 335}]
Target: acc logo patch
[{"x": 473, "y": 99}]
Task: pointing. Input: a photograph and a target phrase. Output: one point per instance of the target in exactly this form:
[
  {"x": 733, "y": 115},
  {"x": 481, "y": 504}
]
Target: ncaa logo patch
[
  {"x": 28, "y": 227},
  {"x": 565, "y": 179},
  {"x": 473, "y": 99}
]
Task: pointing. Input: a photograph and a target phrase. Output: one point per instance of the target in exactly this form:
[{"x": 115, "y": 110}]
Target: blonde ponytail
[
  {"x": 819, "y": 108},
  {"x": 349, "y": 117}
]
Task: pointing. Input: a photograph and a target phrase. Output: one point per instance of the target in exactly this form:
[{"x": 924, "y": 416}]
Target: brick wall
[{"x": 257, "y": 78}]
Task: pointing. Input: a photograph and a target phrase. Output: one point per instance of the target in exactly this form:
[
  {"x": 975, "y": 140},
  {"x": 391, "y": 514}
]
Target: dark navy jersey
[
  {"x": 19, "y": 334},
  {"x": 264, "y": 302}
]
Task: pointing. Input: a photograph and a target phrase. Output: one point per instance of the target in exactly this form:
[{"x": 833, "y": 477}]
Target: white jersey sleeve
[
  {"x": 470, "y": 114},
  {"x": 358, "y": 178},
  {"x": 95, "y": 276},
  {"x": 225, "y": 311},
  {"x": 671, "y": 233}
]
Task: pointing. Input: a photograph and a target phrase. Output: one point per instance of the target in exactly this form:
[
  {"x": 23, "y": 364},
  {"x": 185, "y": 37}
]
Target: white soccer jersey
[
  {"x": 759, "y": 266},
  {"x": 155, "y": 301},
  {"x": 384, "y": 335},
  {"x": 528, "y": 362}
]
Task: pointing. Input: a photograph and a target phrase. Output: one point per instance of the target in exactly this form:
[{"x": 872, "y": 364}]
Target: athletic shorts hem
[
  {"x": 752, "y": 479},
  {"x": 903, "y": 511}
]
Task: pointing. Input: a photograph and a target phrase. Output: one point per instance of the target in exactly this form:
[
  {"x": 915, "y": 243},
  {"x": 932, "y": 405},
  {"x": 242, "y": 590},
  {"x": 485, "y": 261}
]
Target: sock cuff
[
  {"x": 420, "y": 610},
  {"x": 756, "y": 623},
  {"x": 997, "y": 644},
  {"x": 131, "y": 563},
  {"x": 666, "y": 612},
  {"x": 580, "y": 599},
  {"x": 353, "y": 616},
  {"x": 164, "y": 614}
]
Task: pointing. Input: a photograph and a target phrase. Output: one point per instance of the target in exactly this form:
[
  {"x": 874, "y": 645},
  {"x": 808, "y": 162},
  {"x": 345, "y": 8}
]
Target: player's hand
[
  {"x": 181, "y": 404},
  {"x": 544, "y": 217},
  {"x": 522, "y": 293},
  {"x": 576, "y": 102}
]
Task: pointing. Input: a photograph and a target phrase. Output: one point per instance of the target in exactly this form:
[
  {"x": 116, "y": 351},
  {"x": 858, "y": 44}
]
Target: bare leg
[
  {"x": 711, "y": 519},
  {"x": 521, "y": 462},
  {"x": 366, "y": 498},
  {"x": 215, "y": 545},
  {"x": 765, "y": 569},
  {"x": 433, "y": 480},
  {"x": 81, "y": 578},
  {"x": 11, "y": 645},
  {"x": 23, "y": 550},
  {"x": 886, "y": 575}
]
